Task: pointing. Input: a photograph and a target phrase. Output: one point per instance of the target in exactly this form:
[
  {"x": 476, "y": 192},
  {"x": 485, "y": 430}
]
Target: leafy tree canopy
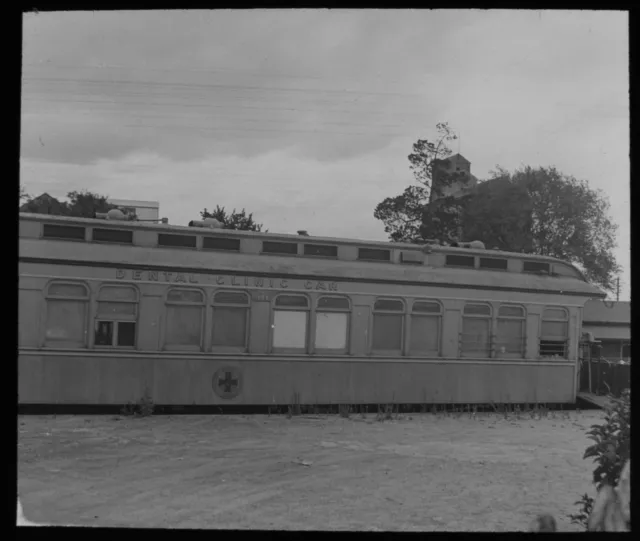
[
  {"x": 402, "y": 214},
  {"x": 534, "y": 210},
  {"x": 233, "y": 220},
  {"x": 556, "y": 215},
  {"x": 81, "y": 204}
]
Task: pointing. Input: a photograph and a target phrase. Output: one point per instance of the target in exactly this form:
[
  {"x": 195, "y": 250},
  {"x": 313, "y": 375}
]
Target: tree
[
  {"x": 82, "y": 204},
  {"x": 499, "y": 214},
  {"x": 23, "y": 195},
  {"x": 545, "y": 212},
  {"x": 87, "y": 204},
  {"x": 402, "y": 215},
  {"x": 233, "y": 220}
]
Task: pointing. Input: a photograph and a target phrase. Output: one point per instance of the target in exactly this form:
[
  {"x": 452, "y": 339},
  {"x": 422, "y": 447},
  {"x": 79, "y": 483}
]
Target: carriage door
[
  {"x": 360, "y": 329},
  {"x": 259, "y": 325}
]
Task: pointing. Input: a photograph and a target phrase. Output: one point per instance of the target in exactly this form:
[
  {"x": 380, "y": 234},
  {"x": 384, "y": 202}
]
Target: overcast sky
[{"x": 306, "y": 117}]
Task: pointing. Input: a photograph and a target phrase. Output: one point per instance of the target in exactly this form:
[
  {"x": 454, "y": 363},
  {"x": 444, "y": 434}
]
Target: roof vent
[
  {"x": 113, "y": 214},
  {"x": 210, "y": 223},
  {"x": 474, "y": 244},
  {"x": 303, "y": 233}
]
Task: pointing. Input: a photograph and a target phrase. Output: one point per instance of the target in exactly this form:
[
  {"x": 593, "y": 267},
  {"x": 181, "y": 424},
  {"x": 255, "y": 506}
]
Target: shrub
[
  {"x": 610, "y": 450},
  {"x": 143, "y": 408}
]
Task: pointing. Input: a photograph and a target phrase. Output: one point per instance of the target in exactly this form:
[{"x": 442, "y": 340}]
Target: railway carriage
[{"x": 110, "y": 310}]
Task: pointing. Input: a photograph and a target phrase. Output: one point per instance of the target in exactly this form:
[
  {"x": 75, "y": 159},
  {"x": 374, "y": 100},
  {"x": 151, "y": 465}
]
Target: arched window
[
  {"x": 388, "y": 326},
  {"x": 290, "y": 323},
  {"x": 230, "y": 320},
  {"x": 554, "y": 332},
  {"x": 184, "y": 321},
  {"x": 510, "y": 339},
  {"x": 117, "y": 316},
  {"x": 66, "y": 319},
  {"x": 332, "y": 324},
  {"x": 476, "y": 331},
  {"x": 426, "y": 324}
]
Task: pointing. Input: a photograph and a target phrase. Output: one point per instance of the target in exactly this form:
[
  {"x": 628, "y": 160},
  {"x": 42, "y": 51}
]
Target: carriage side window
[
  {"x": 184, "y": 320},
  {"x": 476, "y": 331},
  {"x": 117, "y": 316},
  {"x": 426, "y": 322},
  {"x": 290, "y": 323},
  {"x": 388, "y": 326},
  {"x": 554, "y": 334},
  {"x": 230, "y": 319},
  {"x": 332, "y": 324},
  {"x": 510, "y": 339},
  {"x": 67, "y": 309}
]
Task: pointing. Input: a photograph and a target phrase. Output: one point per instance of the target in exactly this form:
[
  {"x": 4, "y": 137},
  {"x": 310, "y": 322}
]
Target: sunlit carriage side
[{"x": 197, "y": 315}]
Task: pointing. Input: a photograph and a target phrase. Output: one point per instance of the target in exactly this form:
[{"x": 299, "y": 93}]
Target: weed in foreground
[{"x": 143, "y": 408}]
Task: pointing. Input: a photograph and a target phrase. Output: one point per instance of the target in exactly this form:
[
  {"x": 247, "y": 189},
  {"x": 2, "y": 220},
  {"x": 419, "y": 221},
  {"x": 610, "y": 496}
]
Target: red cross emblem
[{"x": 227, "y": 382}]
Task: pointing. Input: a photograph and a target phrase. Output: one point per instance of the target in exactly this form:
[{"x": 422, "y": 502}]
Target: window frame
[
  {"x": 308, "y": 311},
  {"x": 543, "y": 338},
  {"x": 489, "y": 267},
  {"x": 121, "y": 242},
  {"x": 174, "y": 237},
  {"x": 61, "y": 227},
  {"x": 538, "y": 271},
  {"x": 523, "y": 321},
  {"x": 307, "y": 245},
  {"x": 86, "y": 300},
  {"x": 403, "y": 329},
  {"x": 489, "y": 318},
  {"x": 465, "y": 257},
  {"x": 247, "y": 331},
  {"x": 234, "y": 240},
  {"x": 371, "y": 249},
  {"x": 168, "y": 303},
  {"x": 273, "y": 244},
  {"x": 332, "y": 310},
  {"x": 440, "y": 319},
  {"x": 116, "y": 320}
]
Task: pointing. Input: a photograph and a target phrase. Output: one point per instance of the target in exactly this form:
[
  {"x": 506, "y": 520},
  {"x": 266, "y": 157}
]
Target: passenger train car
[{"x": 110, "y": 310}]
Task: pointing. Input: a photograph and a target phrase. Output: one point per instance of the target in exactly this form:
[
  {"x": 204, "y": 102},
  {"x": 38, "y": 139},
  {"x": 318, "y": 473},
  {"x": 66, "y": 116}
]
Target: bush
[
  {"x": 611, "y": 450},
  {"x": 143, "y": 408}
]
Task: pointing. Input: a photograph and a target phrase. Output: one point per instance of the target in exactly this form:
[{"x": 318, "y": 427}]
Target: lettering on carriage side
[{"x": 238, "y": 281}]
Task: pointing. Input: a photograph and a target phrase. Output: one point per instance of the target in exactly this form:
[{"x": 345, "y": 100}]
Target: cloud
[{"x": 302, "y": 116}]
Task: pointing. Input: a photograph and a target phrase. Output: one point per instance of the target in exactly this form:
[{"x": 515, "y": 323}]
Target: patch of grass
[
  {"x": 344, "y": 410},
  {"x": 385, "y": 412},
  {"x": 294, "y": 407},
  {"x": 142, "y": 408}
]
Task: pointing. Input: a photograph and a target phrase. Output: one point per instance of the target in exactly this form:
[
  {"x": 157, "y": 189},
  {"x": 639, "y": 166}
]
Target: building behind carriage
[{"x": 609, "y": 323}]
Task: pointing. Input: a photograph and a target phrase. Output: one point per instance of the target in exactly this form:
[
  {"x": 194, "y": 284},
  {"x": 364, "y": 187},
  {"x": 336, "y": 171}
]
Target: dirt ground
[{"x": 420, "y": 472}]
